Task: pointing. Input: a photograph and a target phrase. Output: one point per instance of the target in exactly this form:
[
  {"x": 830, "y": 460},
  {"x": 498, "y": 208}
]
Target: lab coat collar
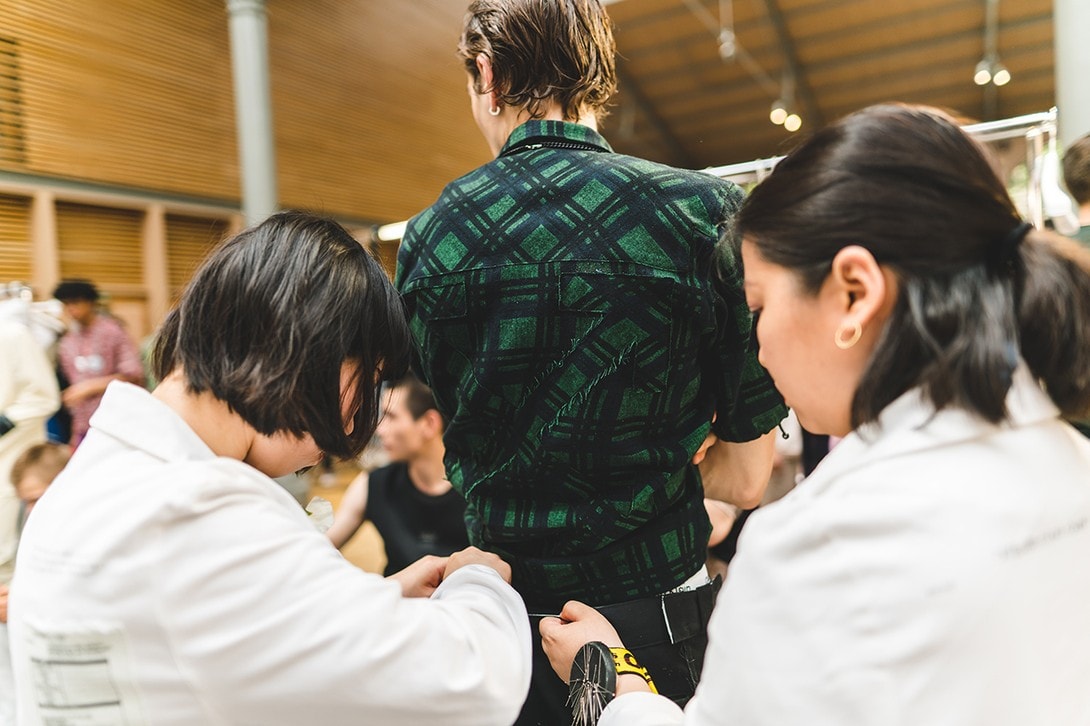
[
  {"x": 133, "y": 416},
  {"x": 911, "y": 424}
]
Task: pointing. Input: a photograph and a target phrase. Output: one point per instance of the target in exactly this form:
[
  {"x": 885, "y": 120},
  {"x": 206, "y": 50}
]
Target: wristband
[
  {"x": 6, "y": 424},
  {"x": 626, "y": 663}
]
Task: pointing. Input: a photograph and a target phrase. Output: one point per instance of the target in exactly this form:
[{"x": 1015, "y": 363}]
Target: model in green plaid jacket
[
  {"x": 569, "y": 320},
  {"x": 571, "y": 324},
  {"x": 572, "y": 327}
]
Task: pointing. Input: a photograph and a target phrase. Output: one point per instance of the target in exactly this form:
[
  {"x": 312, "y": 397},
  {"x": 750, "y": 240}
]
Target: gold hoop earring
[
  {"x": 856, "y": 334},
  {"x": 494, "y": 111}
]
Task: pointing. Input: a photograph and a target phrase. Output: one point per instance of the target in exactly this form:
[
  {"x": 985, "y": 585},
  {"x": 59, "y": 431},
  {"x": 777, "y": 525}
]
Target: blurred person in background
[
  {"x": 411, "y": 503},
  {"x": 95, "y": 351},
  {"x": 31, "y": 474},
  {"x": 28, "y": 395},
  {"x": 1076, "y": 166}
]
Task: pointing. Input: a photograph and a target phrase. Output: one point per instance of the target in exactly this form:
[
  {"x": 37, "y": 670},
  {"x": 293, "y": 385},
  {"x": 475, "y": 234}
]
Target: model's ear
[
  {"x": 862, "y": 289},
  {"x": 484, "y": 73},
  {"x": 432, "y": 422}
]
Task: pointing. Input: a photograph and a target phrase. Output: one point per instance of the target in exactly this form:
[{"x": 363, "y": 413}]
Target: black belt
[{"x": 668, "y": 618}]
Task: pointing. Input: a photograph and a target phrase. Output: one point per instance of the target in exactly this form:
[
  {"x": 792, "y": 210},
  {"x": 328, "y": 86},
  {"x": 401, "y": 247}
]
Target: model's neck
[
  {"x": 428, "y": 474},
  {"x": 510, "y": 119}
]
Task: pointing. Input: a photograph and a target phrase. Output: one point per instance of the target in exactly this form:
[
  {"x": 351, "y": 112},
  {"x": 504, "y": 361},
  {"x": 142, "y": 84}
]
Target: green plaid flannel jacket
[{"x": 569, "y": 320}]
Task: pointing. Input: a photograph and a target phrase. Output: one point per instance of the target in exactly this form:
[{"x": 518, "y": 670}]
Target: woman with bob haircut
[
  {"x": 929, "y": 570},
  {"x": 165, "y": 578}
]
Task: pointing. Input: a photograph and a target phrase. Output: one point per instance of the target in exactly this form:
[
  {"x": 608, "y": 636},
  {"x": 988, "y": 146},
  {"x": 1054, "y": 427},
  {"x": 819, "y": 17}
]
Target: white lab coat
[
  {"x": 931, "y": 571},
  {"x": 159, "y": 584}
]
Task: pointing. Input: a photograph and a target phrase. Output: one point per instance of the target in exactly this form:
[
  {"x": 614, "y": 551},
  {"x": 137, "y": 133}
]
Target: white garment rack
[{"x": 1038, "y": 129}]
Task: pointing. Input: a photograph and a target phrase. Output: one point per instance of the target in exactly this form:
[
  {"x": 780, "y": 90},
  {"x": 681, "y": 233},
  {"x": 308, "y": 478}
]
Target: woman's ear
[{"x": 863, "y": 288}]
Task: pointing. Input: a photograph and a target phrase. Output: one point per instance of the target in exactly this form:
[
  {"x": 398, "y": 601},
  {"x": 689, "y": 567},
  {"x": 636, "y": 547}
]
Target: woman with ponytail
[{"x": 932, "y": 569}]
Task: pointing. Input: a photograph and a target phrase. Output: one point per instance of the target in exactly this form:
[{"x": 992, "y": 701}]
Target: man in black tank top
[{"x": 410, "y": 501}]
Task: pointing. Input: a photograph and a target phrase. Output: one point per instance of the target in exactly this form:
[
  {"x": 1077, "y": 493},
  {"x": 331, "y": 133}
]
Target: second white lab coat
[{"x": 932, "y": 570}]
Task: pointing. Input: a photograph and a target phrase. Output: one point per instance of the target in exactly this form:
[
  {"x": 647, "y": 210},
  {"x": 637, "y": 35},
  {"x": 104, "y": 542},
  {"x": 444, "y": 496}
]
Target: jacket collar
[
  {"x": 537, "y": 131},
  {"x": 912, "y": 424},
  {"x": 134, "y": 417}
]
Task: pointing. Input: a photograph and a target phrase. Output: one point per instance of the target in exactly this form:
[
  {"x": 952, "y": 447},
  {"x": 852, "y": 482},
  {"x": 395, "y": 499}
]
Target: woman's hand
[
  {"x": 578, "y": 624},
  {"x": 474, "y": 556},
  {"x": 421, "y": 577}
]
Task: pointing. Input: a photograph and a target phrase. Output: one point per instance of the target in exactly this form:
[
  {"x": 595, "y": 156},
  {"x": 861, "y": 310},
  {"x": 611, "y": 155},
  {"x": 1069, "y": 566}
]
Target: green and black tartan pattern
[{"x": 562, "y": 300}]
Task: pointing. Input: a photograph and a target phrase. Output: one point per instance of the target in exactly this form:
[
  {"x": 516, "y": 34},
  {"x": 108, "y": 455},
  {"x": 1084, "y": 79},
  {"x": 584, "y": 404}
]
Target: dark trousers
[{"x": 666, "y": 633}]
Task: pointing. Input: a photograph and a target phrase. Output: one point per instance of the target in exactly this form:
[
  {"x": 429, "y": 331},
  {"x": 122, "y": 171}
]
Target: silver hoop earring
[
  {"x": 856, "y": 333},
  {"x": 494, "y": 111}
]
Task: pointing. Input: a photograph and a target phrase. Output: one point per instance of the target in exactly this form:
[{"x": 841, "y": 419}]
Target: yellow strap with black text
[{"x": 627, "y": 663}]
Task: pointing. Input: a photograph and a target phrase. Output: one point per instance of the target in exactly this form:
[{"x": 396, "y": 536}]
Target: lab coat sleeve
[
  {"x": 270, "y": 622},
  {"x": 780, "y": 645},
  {"x": 641, "y": 709}
]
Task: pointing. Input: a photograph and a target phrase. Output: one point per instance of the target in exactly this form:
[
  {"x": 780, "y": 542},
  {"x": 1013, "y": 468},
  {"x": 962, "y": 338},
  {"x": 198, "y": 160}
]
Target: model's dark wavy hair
[
  {"x": 543, "y": 50},
  {"x": 922, "y": 196},
  {"x": 270, "y": 318}
]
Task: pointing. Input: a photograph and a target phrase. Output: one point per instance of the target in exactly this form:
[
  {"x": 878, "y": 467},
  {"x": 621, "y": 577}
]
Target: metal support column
[
  {"x": 1072, "y": 22},
  {"x": 253, "y": 108}
]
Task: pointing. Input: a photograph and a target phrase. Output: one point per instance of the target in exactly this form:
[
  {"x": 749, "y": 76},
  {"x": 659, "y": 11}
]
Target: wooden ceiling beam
[{"x": 631, "y": 88}]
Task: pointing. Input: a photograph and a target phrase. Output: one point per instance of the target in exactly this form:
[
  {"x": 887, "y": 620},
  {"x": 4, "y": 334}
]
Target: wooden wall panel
[
  {"x": 127, "y": 92},
  {"x": 100, "y": 244},
  {"x": 15, "y": 248},
  {"x": 103, "y": 245},
  {"x": 189, "y": 240},
  {"x": 370, "y": 105}
]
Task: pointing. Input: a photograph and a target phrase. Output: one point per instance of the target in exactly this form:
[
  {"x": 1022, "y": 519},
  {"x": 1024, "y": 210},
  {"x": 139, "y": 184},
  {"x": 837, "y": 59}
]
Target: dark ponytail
[
  {"x": 1054, "y": 318},
  {"x": 977, "y": 288}
]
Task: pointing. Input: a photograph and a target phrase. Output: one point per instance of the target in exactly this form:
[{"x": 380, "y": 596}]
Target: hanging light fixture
[
  {"x": 728, "y": 46},
  {"x": 783, "y": 111},
  {"x": 778, "y": 114},
  {"x": 990, "y": 69},
  {"x": 982, "y": 76}
]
